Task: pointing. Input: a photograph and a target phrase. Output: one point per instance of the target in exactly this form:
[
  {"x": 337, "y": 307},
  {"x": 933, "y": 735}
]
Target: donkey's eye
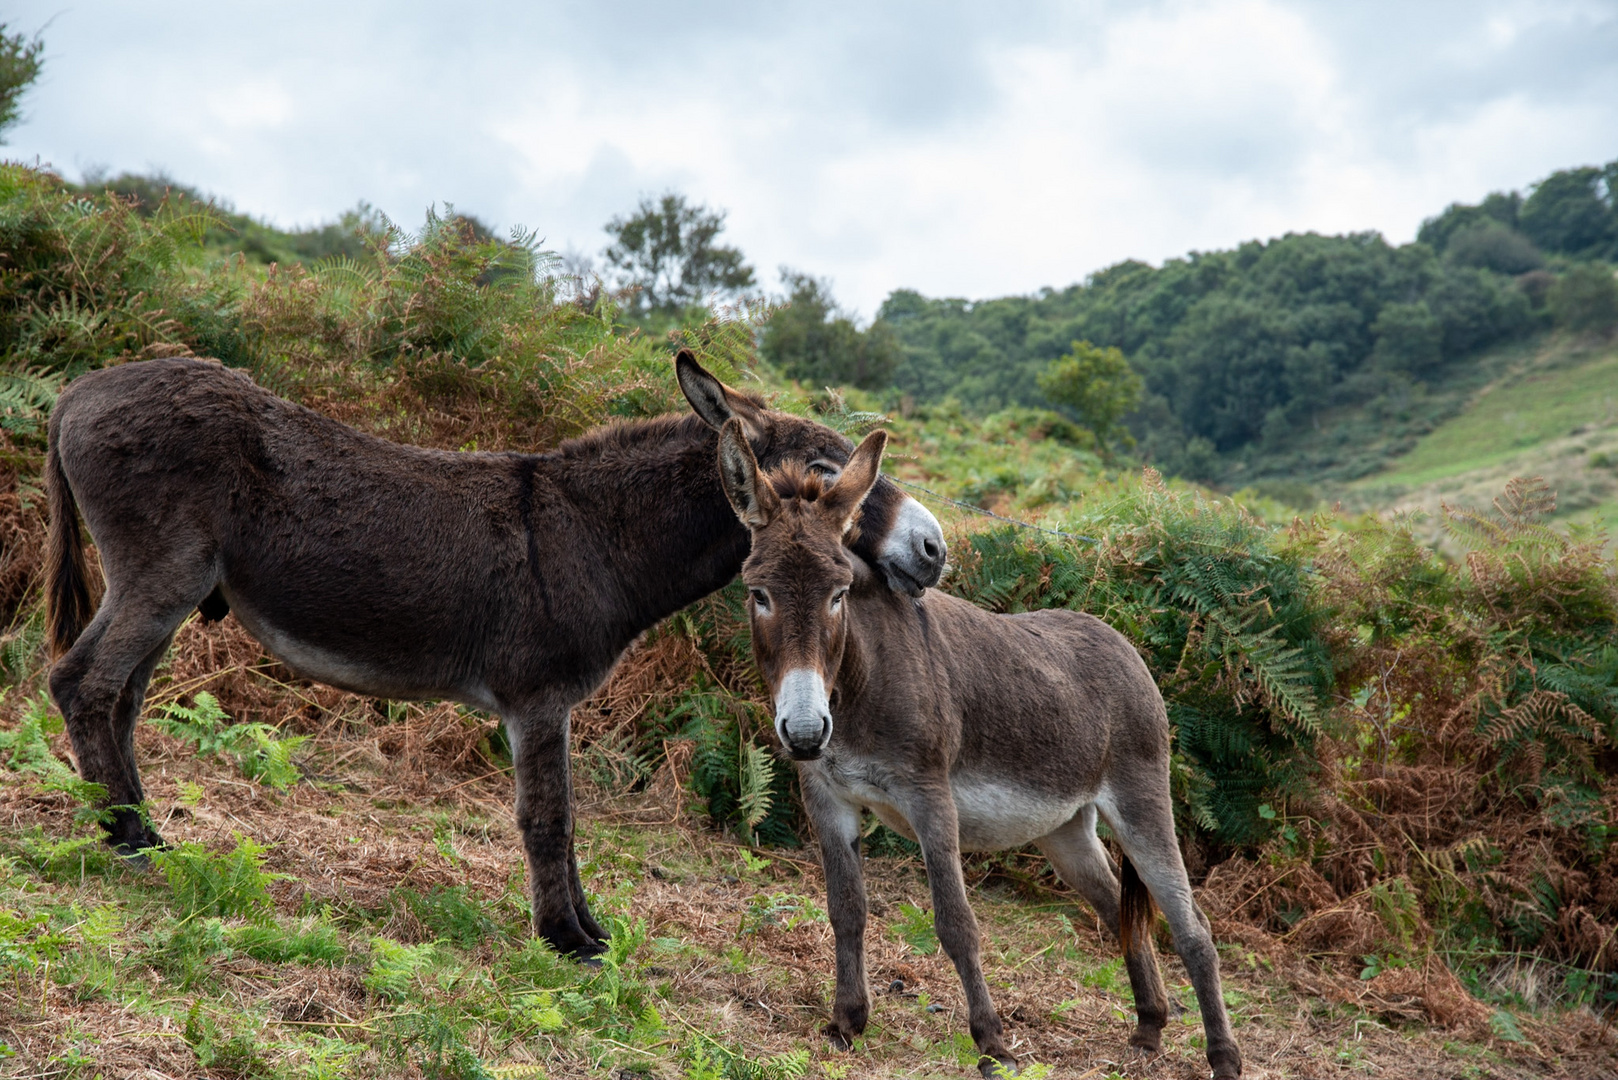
[
  {"x": 761, "y": 599},
  {"x": 837, "y": 599},
  {"x": 826, "y": 469}
]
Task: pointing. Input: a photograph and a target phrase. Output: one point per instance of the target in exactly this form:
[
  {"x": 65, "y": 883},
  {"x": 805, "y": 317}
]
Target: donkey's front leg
[
  {"x": 938, "y": 831},
  {"x": 539, "y": 753},
  {"x": 837, "y": 824}
]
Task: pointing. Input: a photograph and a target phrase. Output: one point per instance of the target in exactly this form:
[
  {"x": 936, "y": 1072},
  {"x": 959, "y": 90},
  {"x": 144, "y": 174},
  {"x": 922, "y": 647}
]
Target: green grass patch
[
  {"x": 311, "y": 941},
  {"x": 1514, "y": 415}
]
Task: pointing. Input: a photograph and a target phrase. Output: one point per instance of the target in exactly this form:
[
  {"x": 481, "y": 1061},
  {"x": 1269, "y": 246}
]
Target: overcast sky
[{"x": 960, "y": 149}]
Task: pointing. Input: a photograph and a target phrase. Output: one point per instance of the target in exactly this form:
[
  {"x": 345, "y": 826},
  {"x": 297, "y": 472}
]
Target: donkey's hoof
[
  {"x": 575, "y": 946},
  {"x": 1226, "y": 1062},
  {"x": 995, "y": 1067},
  {"x": 1147, "y": 1040},
  {"x": 133, "y": 858},
  {"x": 840, "y": 1037},
  {"x": 587, "y": 954}
]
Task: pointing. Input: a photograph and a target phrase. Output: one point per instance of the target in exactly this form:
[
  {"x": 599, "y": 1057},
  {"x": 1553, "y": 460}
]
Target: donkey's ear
[
  {"x": 752, "y": 497},
  {"x": 711, "y": 399},
  {"x": 859, "y": 476}
]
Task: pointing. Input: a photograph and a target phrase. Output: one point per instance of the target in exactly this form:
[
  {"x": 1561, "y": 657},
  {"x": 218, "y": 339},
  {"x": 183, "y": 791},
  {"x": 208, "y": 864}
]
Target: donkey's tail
[
  {"x": 1135, "y": 907},
  {"x": 67, "y": 575}
]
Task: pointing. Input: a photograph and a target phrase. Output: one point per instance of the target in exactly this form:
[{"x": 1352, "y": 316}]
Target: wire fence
[{"x": 991, "y": 514}]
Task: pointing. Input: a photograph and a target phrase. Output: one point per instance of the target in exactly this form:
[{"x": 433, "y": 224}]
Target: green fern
[
  {"x": 1224, "y": 617},
  {"x": 21, "y": 650},
  {"x": 734, "y": 774},
  {"x": 26, "y": 398},
  {"x": 757, "y": 777},
  {"x": 259, "y": 749}
]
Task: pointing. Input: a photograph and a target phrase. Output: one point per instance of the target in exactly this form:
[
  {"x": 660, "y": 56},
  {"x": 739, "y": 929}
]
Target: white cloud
[{"x": 950, "y": 148}]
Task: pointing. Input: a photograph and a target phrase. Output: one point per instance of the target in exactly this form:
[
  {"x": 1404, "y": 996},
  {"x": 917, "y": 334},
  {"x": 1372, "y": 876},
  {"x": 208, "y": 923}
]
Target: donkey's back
[
  {"x": 1040, "y": 713},
  {"x": 364, "y": 563}
]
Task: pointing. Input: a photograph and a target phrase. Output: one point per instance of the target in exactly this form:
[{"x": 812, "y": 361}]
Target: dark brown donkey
[
  {"x": 509, "y": 582},
  {"x": 965, "y": 731}
]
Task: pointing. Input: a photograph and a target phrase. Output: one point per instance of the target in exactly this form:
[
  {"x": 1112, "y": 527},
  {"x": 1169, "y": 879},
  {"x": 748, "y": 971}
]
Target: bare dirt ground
[{"x": 412, "y": 803}]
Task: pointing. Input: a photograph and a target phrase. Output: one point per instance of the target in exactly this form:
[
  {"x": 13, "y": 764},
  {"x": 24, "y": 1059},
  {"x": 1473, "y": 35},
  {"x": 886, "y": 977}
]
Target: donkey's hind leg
[
  {"x": 129, "y": 828},
  {"x": 1084, "y": 864},
  {"x": 100, "y": 685},
  {"x": 1143, "y": 821}
]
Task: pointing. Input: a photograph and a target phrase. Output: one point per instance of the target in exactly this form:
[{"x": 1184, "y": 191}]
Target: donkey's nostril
[{"x": 929, "y": 548}]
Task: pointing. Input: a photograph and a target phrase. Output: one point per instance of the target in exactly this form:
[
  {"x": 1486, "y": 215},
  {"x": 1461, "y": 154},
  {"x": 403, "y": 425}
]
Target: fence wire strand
[{"x": 991, "y": 514}]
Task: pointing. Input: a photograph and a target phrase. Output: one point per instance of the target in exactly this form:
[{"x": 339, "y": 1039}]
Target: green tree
[
  {"x": 1099, "y": 386},
  {"x": 668, "y": 251},
  {"x": 1568, "y": 213},
  {"x": 1499, "y": 207},
  {"x": 810, "y": 339},
  {"x": 20, "y": 63},
  {"x": 1585, "y": 299},
  {"x": 1408, "y": 338},
  {"x": 1493, "y": 246}
]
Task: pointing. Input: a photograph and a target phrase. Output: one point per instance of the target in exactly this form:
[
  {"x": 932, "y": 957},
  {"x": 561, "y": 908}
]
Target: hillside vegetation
[
  {"x": 1551, "y": 412},
  {"x": 1306, "y": 358},
  {"x": 1393, "y": 770}
]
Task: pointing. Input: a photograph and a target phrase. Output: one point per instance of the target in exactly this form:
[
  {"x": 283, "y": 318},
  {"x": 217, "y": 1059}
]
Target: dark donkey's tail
[
  {"x": 1135, "y": 907},
  {"x": 67, "y": 575}
]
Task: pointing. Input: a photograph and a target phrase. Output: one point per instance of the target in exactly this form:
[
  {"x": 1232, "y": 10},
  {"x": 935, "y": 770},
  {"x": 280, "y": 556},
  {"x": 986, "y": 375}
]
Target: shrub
[
  {"x": 1484, "y": 711},
  {"x": 1495, "y": 246},
  {"x": 1585, "y": 299},
  {"x": 1219, "y": 607}
]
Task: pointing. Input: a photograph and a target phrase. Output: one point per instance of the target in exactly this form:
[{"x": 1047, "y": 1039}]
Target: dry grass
[{"x": 410, "y": 802}]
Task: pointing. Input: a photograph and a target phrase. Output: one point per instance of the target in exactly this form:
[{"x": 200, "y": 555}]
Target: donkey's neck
[
  {"x": 885, "y": 628},
  {"x": 663, "y": 525},
  {"x": 865, "y": 621}
]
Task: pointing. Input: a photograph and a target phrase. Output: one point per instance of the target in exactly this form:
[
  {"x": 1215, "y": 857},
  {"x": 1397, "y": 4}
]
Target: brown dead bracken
[
  {"x": 509, "y": 582},
  {"x": 962, "y": 730}
]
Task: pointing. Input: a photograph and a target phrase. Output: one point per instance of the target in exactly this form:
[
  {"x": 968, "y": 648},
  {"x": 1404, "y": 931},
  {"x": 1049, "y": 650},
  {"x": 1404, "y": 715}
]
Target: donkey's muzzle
[
  {"x": 913, "y": 557},
  {"x": 803, "y": 714},
  {"x": 807, "y": 749}
]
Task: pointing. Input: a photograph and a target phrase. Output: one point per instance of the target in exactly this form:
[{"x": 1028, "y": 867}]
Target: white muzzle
[{"x": 803, "y": 714}]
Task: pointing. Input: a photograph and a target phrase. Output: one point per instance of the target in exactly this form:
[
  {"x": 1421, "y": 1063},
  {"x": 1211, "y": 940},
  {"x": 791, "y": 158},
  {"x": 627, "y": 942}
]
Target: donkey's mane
[
  {"x": 627, "y": 433},
  {"x": 795, "y": 480},
  {"x": 798, "y": 484}
]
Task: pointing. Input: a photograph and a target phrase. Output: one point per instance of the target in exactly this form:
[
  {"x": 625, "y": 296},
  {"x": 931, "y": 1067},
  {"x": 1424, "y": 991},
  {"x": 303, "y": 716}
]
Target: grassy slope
[
  {"x": 1554, "y": 413},
  {"x": 395, "y": 944}
]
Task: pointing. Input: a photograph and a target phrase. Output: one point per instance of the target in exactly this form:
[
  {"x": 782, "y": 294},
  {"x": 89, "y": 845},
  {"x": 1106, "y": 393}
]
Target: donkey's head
[
  {"x": 896, "y": 534},
  {"x": 798, "y": 576}
]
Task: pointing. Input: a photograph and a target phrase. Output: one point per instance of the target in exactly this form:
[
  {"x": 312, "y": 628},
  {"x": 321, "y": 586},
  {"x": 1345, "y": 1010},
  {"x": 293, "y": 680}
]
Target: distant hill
[
  {"x": 1551, "y": 410},
  {"x": 238, "y": 233},
  {"x": 1298, "y": 367},
  {"x": 1307, "y": 358}
]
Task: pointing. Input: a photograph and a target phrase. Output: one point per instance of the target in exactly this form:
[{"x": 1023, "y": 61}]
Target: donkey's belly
[
  {"x": 347, "y": 673},
  {"x": 996, "y": 814},
  {"x": 992, "y": 813}
]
